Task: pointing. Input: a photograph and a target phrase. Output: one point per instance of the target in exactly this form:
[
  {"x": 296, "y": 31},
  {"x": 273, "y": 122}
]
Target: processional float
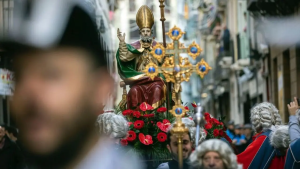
[{"x": 176, "y": 69}]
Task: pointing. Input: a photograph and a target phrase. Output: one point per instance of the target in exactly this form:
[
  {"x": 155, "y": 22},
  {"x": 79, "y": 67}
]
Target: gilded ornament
[
  {"x": 151, "y": 70},
  {"x": 175, "y": 33},
  {"x": 158, "y": 52},
  {"x": 194, "y": 50},
  {"x": 202, "y": 68},
  {"x": 178, "y": 111}
]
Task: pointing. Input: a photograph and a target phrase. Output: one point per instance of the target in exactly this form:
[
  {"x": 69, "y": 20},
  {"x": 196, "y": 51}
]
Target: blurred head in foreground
[
  {"x": 213, "y": 154},
  {"x": 61, "y": 79}
]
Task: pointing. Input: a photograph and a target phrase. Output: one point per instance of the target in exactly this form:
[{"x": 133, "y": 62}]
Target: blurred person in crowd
[
  {"x": 293, "y": 153},
  {"x": 61, "y": 85},
  {"x": 247, "y": 131},
  {"x": 187, "y": 146},
  {"x": 12, "y": 133},
  {"x": 230, "y": 129},
  {"x": 238, "y": 139},
  {"x": 213, "y": 154},
  {"x": 10, "y": 154},
  {"x": 260, "y": 153},
  {"x": 112, "y": 125}
]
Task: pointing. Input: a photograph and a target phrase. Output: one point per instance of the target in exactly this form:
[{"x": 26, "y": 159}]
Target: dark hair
[
  {"x": 3, "y": 125},
  {"x": 81, "y": 31},
  {"x": 12, "y": 130},
  {"x": 169, "y": 134}
]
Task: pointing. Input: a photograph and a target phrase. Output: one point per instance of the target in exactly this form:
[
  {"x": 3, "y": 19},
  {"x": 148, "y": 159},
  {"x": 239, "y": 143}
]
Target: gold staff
[{"x": 162, "y": 19}]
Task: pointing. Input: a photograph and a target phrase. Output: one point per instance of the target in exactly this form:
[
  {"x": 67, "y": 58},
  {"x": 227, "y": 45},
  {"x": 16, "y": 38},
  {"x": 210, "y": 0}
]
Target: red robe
[
  {"x": 260, "y": 154},
  {"x": 146, "y": 90}
]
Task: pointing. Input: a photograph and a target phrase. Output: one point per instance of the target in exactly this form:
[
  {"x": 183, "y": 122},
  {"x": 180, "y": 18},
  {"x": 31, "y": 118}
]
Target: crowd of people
[{"x": 241, "y": 135}]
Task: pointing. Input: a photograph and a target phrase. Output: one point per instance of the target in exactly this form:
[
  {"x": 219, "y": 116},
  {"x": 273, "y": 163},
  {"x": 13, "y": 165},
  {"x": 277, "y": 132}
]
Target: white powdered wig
[
  {"x": 264, "y": 116},
  {"x": 227, "y": 155},
  {"x": 112, "y": 125},
  {"x": 188, "y": 122},
  {"x": 279, "y": 137},
  {"x": 202, "y": 135}
]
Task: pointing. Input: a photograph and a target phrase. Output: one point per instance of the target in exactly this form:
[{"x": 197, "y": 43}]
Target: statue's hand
[{"x": 120, "y": 36}]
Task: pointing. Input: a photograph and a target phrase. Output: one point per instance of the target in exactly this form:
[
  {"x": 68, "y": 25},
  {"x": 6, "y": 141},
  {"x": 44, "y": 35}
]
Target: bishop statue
[{"x": 133, "y": 58}]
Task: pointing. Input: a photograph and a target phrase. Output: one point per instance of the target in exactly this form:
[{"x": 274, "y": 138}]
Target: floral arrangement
[
  {"x": 214, "y": 128},
  {"x": 148, "y": 129}
]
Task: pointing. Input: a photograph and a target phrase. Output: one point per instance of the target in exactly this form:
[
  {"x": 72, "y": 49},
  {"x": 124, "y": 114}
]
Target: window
[
  {"x": 150, "y": 4},
  {"x": 132, "y": 5},
  {"x": 167, "y": 6},
  {"x": 134, "y": 30}
]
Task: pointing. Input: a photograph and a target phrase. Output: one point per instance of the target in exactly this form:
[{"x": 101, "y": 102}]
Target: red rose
[
  {"x": 131, "y": 135},
  {"x": 136, "y": 114},
  {"x": 161, "y": 110},
  {"x": 186, "y": 108},
  {"x": 221, "y": 132},
  {"x": 194, "y": 104},
  {"x": 216, "y": 132},
  {"x": 138, "y": 124},
  {"x": 129, "y": 123},
  {"x": 207, "y": 116},
  {"x": 161, "y": 137},
  {"x": 208, "y": 126},
  {"x": 147, "y": 140},
  {"x": 215, "y": 121},
  {"x": 127, "y": 112},
  {"x": 148, "y": 115},
  {"x": 124, "y": 142},
  {"x": 191, "y": 118},
  {"x": 151, "y": 121},
  {"x": 145, "y": 106},
  {"x": 205, "y": 131}
]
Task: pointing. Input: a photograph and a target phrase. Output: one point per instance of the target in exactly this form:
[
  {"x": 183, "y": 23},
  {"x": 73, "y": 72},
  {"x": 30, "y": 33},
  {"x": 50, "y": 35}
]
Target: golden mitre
[{"x": 144, "y": 17}]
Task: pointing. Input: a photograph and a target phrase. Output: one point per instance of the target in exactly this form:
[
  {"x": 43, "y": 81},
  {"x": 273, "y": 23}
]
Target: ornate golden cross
[{"x": 177, "y": 69}]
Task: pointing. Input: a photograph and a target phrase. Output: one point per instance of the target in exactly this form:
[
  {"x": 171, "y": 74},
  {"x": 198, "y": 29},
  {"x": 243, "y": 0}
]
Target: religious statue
[{"x": 132, "y": 60}]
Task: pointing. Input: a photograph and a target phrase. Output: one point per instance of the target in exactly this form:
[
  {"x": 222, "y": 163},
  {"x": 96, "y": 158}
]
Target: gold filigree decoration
[
  {"x": 151, "y": 70},
  {"x": 156, "y": 49},
  {"x": 171, "y": 46},
  {"x": 202, "y": 68},
  {"x": 178, "y": 111},
  {"x": 175, "y": 33},
  {"x": 194, "y": 46},
  {"x": 169, "y": 62},
  {"x": 169, "y": 76}
]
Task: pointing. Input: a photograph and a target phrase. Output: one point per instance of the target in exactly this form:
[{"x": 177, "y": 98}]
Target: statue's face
[{"x": 146, "y": 32}]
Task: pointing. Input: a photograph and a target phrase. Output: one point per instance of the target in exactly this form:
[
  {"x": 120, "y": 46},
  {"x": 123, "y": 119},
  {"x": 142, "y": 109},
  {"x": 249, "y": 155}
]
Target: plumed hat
[{"x": 144, "y": 17}]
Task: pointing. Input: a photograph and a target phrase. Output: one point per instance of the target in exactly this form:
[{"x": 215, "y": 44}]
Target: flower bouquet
[
  {"x": 214, "y": 128},
  {"x": 148, "y": 129}
]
